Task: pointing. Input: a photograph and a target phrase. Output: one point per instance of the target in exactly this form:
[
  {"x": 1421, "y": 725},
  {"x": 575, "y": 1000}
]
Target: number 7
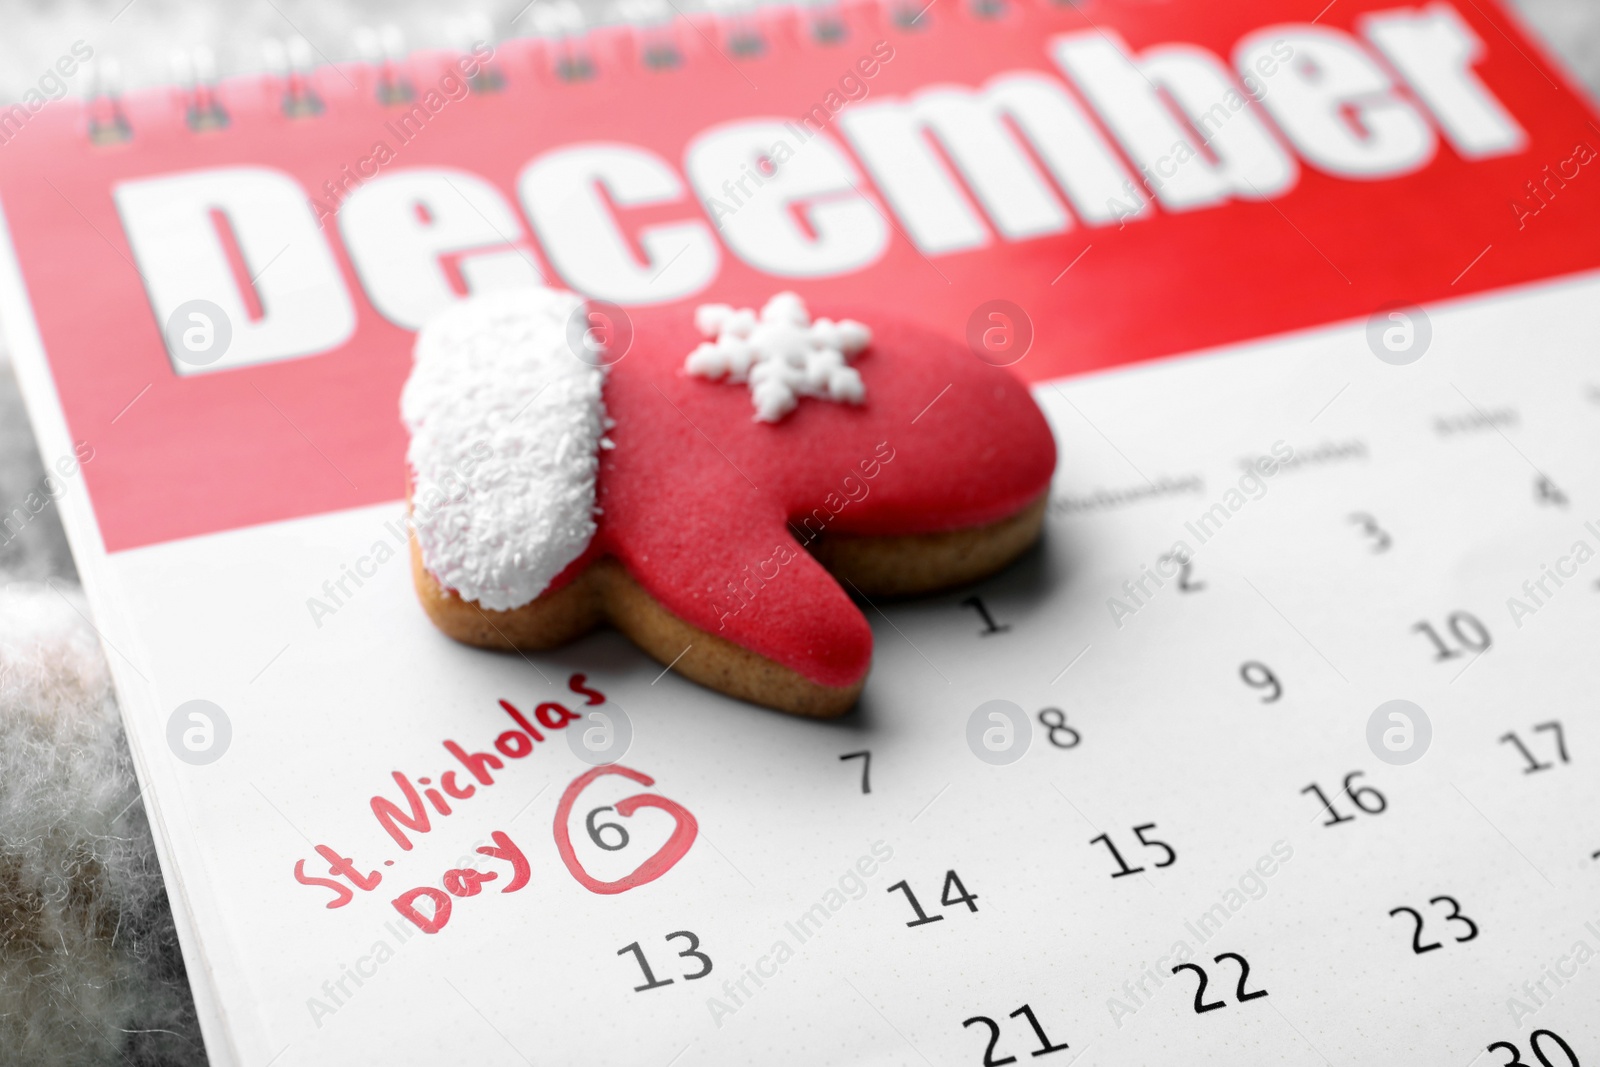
[
  {"x": 1561, "y": 741},
  {"x": 866, "y": 767}
]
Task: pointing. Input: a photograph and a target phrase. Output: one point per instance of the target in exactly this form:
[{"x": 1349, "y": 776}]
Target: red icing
[{"x": 696, "y": 491}]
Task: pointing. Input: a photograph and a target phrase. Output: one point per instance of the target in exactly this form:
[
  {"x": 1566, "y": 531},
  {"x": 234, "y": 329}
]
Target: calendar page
[{"x": 1273, "y": 750}]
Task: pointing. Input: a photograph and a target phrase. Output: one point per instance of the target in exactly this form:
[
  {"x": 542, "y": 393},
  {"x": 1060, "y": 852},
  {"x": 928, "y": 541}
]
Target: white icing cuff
[
  {"x": 506, "y": 429},
  {"x": 782, "y": 354}
]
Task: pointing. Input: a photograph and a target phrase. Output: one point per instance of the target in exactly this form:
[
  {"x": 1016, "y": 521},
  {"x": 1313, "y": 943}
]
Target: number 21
[{"x": 1045, "y": 1045}]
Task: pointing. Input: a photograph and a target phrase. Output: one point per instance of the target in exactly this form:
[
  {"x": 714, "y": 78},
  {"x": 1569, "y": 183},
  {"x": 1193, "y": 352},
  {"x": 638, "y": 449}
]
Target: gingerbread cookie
[{"x": 719, "y": 493}]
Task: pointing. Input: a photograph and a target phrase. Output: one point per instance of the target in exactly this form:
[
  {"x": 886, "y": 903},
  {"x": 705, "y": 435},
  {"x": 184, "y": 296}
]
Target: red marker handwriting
[
  {"x": 683, "y": 832},
  {"x": 461, "y": 882}
]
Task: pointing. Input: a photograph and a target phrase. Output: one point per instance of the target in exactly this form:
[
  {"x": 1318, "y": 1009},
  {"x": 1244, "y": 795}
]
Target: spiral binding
[
  {"x": 290, "y": 63},
  {"x": 744, "y": 37},
  {"x": 384, "y": 50},
  {"x": 195, "y": 73},
  {"x": 291, "y": 66},
  {"x": 108, "y": 124},
  {"x": 467, "y": 34},
  {"x": 651, "y": 21}
]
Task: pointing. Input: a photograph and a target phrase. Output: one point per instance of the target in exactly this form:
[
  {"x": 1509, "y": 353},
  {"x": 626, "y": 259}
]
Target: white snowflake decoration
[{"x": 781, "y": 353}]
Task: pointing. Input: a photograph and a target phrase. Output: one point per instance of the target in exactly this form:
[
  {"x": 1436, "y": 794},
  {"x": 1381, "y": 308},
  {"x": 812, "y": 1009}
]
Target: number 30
[{"x": 1534, "y": 1038}]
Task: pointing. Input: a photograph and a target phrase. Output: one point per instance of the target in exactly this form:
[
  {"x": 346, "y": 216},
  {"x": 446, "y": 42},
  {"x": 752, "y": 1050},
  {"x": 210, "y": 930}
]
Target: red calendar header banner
[{"x": 1137, "y": 180}]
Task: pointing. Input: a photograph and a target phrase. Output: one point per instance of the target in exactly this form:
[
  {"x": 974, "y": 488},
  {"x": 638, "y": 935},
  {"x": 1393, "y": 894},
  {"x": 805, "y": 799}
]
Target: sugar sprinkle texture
[{"x": 507, "y": 424}]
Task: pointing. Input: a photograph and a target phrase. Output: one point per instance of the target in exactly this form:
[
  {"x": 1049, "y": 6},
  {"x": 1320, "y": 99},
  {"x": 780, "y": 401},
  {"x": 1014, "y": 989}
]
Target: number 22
[{"x": 1199, "y": 994}]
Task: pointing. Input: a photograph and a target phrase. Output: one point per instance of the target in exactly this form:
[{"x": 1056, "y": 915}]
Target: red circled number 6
[{"x": 660, "y": 862}]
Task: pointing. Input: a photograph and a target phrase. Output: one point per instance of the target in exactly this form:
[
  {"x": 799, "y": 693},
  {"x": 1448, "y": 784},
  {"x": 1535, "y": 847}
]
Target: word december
[
  {"x": 1209, "y": 125},
  {"x": 851, "y": 86},
  {"x": 1020, "y": 158},
  {"x": 812, "y": 123}
]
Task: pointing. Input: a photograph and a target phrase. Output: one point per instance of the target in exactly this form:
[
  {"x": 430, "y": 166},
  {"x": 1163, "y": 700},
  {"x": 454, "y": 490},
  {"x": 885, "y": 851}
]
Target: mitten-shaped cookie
[{"x": 721, "y": 491}]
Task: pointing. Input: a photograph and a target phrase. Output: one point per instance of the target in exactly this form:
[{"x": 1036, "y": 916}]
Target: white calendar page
[
  {"x": 1202, "y": 716},
  {"x": 1312, "y": 297}
]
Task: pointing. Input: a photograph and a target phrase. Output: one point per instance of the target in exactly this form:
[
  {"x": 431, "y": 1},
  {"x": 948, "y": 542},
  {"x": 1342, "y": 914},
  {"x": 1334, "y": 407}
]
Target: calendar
[{"x": 1276, "y": 749}]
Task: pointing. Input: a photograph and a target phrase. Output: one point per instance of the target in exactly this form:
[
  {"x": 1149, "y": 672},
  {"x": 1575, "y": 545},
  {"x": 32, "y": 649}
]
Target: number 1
[
  {"x": 990, "y": 627},
  {"x": 1126, "y": 870},
  {"x": 650, "y": 980},
  {"x": 1546, "y": 492},
  {"x": 1470, "y": 633},
  {"x": 1337, "y": 818},
  {"x": 1442, "y": 650},
  {"x": 1533, "y": 762},
  {"x": 1045, "y": 1046},
  {"x": 922, "y": 916}
]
